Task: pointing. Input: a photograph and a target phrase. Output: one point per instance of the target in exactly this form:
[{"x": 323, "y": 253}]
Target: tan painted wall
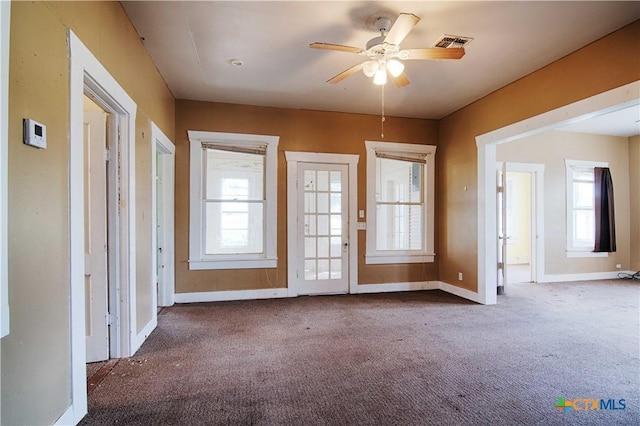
[
  {"x": 551, "y": 149},
  {"x": 299, "y": 130},
  {"x": 603, "y": 65},
  {"x": 36, "y": 354},
  {"x": 634, "y": 191}
]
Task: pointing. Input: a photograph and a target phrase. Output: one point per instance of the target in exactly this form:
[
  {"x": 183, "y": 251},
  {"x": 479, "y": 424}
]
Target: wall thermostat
[{"x": 34, "y": 133}]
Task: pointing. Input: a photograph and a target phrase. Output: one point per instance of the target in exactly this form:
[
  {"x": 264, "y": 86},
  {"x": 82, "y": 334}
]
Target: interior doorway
[
  {"x": 520, "y": 217},
  {"x": 97, "y": 209}
]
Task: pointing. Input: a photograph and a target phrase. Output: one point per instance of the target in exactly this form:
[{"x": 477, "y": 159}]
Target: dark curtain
[{"x": 605, "y": 216}]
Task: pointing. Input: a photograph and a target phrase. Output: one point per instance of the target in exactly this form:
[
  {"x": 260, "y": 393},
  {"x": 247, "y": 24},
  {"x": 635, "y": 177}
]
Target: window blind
[
  {"x": 244, "y": 149},
  {"x": 413, "y": 157}
]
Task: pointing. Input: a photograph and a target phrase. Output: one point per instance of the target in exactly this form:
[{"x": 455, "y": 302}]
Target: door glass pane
[
  {"x": 309, "y": 247},
  {"x": 310, "y": 270},
  {"x": 336, "y": 181},
  {"x": 323, "y": 202},
  {"x": 323, "y": 247},
  {"x": 309, "y": 224},
  {"x": 323, "y": 180},
  {"x": 336, "y": 269},
  {"x": 309, "y": 180},
  {"x": 323, "y": 269},
  {"x": 336, "y": 246},
  {"x": 323, "y": 224},
  {"x": 336, "y": 203},
  {"x": 309, "y": 202},
  {"x": 336, "y": 224}
]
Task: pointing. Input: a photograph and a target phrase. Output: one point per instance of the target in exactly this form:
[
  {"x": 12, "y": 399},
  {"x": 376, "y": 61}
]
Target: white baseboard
[
  {"x": 221, "y": 296},
  {"x": 558, "y": 278},
  {"x": 391, "y": 287},
  {"x": 142, "y": 336},
  {"x": 460, "y": 292},
  {"x": 67, "y": 418}
]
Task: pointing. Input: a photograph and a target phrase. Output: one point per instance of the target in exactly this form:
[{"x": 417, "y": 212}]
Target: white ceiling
[{"x": 192, "y": 44}]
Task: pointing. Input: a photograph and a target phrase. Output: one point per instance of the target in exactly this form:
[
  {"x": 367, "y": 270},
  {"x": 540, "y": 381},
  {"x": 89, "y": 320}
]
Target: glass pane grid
[{"x": 323, "y": 225}]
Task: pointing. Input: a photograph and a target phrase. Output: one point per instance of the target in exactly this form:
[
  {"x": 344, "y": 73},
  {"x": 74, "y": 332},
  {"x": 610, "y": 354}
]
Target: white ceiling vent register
[{"x": 450, "y": 41}]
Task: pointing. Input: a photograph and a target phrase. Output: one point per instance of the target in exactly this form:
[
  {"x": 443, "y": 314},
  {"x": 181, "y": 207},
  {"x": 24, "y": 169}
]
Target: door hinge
[
  {"x": 500, "y": 265},
  {"x": 111, "y": 318},
  {"x": 500, "y": 189},
  {"x": 107, "y": 155}
]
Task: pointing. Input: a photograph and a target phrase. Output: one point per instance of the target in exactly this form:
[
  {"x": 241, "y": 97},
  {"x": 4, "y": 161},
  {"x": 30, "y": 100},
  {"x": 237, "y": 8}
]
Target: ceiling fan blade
[
  {"x": 404, "y": 23},
  {"x": 338, "y": 47},
  {"x": 344, "y": 74},
  {"x": 434, "y": 53},
  {"x": 399, "y": 81}
]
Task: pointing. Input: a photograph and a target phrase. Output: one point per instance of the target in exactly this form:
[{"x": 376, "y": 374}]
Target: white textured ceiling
[{"x": 192, "y": 44}]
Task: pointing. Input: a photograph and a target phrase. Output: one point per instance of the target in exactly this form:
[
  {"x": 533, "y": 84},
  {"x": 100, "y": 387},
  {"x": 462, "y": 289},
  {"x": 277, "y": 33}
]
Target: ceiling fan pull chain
[{"x": 382, "y": 119}]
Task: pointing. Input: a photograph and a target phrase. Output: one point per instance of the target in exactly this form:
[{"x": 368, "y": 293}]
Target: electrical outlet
[
  {"x": 618, "y": 266},
  {"x": 459, "y": 276}
]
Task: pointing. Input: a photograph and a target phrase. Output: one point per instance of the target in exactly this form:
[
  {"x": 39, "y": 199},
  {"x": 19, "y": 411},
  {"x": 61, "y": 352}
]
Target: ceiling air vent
[{"x": 448, "y": 41}]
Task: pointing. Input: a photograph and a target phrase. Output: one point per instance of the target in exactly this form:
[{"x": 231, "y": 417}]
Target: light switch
[
  {"x": 362, "y": 226},
  {"x": 361, "y": 214}
]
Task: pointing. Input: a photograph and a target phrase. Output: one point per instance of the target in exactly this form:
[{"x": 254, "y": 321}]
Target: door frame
[
  {"x": 293, "y": 158},
  {"x": 87, "y": 75},
  {"x": 162, "y": 216},
  {"x": 602, "y": 103}
]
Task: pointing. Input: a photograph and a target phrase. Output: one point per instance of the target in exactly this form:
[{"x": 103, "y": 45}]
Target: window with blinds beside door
[{"x": 400, "y": 202}]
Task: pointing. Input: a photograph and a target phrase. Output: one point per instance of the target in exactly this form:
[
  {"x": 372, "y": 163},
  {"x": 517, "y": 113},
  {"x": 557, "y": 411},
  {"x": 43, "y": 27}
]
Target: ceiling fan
[{"x": 384, "y": 52}]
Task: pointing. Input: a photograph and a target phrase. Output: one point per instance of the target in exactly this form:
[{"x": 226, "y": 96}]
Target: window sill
[
  {"x": 577, "y": 253},
  {"x": 200, "y": 265},
  {"x": 381, "y": 259}
]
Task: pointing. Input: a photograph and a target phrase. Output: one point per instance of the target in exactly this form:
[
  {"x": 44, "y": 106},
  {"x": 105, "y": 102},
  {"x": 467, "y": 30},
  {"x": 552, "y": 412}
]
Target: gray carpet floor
[{"x": 415, "y": 358}]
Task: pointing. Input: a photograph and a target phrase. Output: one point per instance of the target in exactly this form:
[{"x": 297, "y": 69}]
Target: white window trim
[
  {"x": 5, "y": 15},
  {"x": 375, "y": 257},
  {"x": 197, "y": 258},
  {"x": 575, "y": 252}
]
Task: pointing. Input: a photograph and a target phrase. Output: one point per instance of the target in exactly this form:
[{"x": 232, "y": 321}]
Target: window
[
  {"x": 400, "y": 202},
  {"x": 233, "y": 201},
  {"x": 580, "y": 208}
]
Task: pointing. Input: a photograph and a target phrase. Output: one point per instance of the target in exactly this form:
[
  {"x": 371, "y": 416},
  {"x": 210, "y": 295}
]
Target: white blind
[
  {"x": 413, "y": 157},
  {"x": 244, "y": 149}
]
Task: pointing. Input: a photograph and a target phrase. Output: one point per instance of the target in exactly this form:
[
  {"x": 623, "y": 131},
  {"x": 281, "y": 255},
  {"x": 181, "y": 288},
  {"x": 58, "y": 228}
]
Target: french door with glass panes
[{"x": 323, "y": 234}]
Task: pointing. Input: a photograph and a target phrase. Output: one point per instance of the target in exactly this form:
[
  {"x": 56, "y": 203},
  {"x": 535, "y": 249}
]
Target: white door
[
  {"x": 322, "y": 230},
  {"x": 96, "y": 268}
]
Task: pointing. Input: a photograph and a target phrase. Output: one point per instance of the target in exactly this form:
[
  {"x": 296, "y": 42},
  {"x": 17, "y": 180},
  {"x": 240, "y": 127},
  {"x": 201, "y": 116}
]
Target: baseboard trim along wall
[
  {"x": 275, "y": 293},
  {"x": 142, "y": 336},
  {"x": 67, "y": 418},
  {"x": 591, "y": 276},
  {"x": 222, "y": 296}
]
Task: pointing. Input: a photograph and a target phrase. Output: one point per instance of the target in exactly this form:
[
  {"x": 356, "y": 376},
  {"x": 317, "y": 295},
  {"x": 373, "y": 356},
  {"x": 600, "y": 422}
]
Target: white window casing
[
  {"x": 265, "y": 145},
  {"x": 576, "y": 247},
  {"x": 424, "y": 155}
]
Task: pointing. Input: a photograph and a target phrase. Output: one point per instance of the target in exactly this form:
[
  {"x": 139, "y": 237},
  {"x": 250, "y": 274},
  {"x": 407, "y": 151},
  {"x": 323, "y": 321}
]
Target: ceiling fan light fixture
[
  {"x": 380, "y": 77},
  {"x": 395, "y": 67},
  {"x": 369, "y": 68}
]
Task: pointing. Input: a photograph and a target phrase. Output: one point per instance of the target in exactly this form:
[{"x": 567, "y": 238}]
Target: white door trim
[
  {"x": 163, "y": 145},
  {"x": 612, "y": 100},
  {"x": 86, "y": 74},
  {"x": 5, "y": 20},
  {"x": 293, "y": 158}
]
